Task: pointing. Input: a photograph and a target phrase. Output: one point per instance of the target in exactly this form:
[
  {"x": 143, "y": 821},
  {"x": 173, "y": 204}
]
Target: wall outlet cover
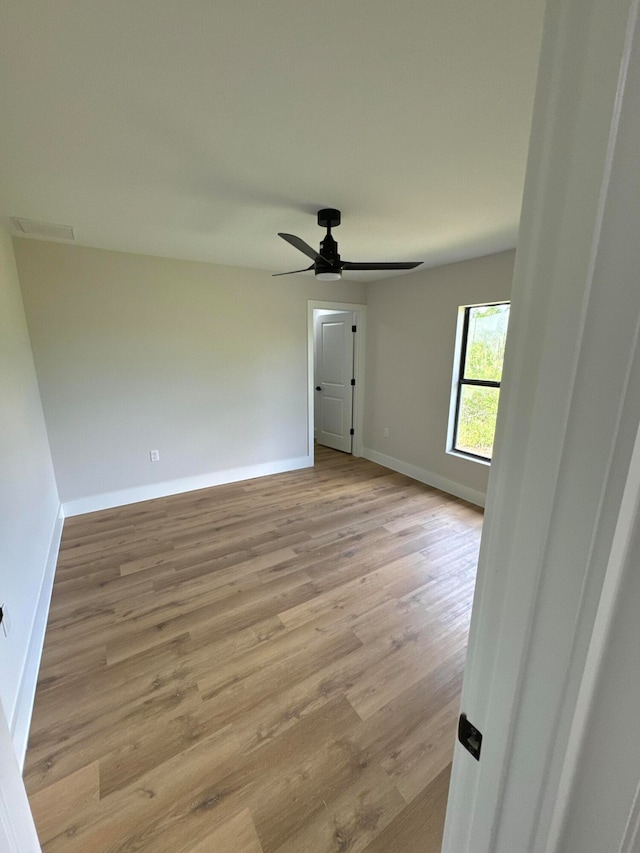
[{"x": 6, "y": 622}]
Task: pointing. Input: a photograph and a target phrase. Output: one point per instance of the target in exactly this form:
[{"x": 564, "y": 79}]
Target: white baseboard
[
  {"x": 21, "y": 720},
  {"x": 423, "y": 476},
  {"x": 137, "y": 494}
]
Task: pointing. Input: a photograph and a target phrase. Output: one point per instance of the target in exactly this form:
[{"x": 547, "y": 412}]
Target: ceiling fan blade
[
  {"x": 301, "y": 246},
  {"x": 306, "y": 269},
  {"x": 402, "y": 265}
]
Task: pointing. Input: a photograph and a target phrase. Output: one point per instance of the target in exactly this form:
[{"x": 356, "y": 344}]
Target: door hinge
[
  {"x": 353, "y": 381},
  {"x": 469, "y": 736},
  {"x": 354, "y": 328},
  {"x": 352, "y": 431}
]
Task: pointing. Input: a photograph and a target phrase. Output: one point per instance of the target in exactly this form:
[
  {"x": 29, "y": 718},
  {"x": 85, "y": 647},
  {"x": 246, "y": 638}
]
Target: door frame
[
  {"x": 360, "y": 311},
  {"x": 565, "y": 477}
]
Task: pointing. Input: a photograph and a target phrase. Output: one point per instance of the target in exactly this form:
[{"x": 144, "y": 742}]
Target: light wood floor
[{"x": 272, "y": 666}]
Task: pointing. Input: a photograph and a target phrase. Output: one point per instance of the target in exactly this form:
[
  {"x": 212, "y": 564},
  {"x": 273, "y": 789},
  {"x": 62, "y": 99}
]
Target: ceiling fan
[{"x": 327, "y": 263}]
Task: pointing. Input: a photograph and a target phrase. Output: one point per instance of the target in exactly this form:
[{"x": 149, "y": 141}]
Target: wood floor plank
[
  {"x": 270, "y": 666},
  {"x": 54, "y": 807},
  {"x": 418, "y": 827},
  {"x": 415, "y": 653},
  {"x": 382, "y": 735},
  {"x": 156, "y": 810},
  {"x": 235, "y": 835},
  {"x": 250, "y": 607},
  {"x": 425, "y": 753},
  {"x": 316, "y": 767},
  {"x": 350, "y": 820}
]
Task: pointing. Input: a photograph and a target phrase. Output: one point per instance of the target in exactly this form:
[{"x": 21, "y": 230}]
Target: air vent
[{"x": 46, "y": 230}]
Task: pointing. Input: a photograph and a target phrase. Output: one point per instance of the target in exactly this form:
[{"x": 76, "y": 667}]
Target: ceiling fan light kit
[{"x": 327, "y": 264}]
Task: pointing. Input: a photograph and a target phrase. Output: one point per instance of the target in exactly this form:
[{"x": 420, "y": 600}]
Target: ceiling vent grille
[{"x": 46, "y": 230}]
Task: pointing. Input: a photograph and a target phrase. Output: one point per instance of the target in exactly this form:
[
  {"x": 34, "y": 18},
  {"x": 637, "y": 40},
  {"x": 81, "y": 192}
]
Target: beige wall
[
  {"x": 411, "y": 328},
  {"x": 29, "y": 503},
  {"x": 205, "y": 363}
]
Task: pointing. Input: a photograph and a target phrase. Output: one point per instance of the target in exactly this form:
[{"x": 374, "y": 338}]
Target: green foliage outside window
[
  {"x": 477, "y": 421},
  {"x": 486, "y": 337}
]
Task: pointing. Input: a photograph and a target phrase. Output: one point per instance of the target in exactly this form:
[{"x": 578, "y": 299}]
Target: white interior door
[{"x": 333, "y": 374}]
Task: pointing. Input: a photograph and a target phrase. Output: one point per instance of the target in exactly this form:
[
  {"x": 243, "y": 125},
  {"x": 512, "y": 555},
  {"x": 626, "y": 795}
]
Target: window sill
[{"x": 485, "y": 462}]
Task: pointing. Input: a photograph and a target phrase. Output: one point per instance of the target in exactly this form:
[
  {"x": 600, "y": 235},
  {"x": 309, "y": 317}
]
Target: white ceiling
[{"x": 200, "y": 128}]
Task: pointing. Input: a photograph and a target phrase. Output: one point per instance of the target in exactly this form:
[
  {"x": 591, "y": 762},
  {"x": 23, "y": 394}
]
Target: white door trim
[
  {"x": 17, "y": 829},
  {"x": 619, "y": 563},
  {"x": 569, "y": 414},
  {"x": 360, "y": 349}
]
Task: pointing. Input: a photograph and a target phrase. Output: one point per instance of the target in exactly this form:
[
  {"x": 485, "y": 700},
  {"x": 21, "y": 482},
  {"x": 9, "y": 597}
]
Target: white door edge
[
  {"x": 618, "y": 564},
  {"x": 564, "y": 444}
]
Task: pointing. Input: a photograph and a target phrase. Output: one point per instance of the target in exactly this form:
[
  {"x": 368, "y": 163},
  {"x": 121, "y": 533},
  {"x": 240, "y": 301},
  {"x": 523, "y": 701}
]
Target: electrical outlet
[
  {"x": 154, "y": 455},
  {"x": 385, "y": 432},
  {"x": 5, "y": 623}
]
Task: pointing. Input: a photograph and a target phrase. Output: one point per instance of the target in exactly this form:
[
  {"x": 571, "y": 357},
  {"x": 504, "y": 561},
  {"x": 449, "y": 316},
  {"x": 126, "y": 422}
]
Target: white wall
[
  {"x": 410, "y": 348},
  {"x": 205, "y": 363},
  {"x": 29, "y": 507}
]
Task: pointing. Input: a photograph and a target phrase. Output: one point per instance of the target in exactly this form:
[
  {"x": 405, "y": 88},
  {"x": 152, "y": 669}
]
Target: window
[{"x": 477, "y": 387}]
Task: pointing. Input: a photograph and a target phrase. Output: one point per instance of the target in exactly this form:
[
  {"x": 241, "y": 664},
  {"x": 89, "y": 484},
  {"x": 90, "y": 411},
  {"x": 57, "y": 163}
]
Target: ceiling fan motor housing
[
  {"x": 327, "y": 265},
  {"x": 329, "y": 250}
]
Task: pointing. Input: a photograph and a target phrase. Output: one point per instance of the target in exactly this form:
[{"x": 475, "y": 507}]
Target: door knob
[{"x": 318, "y": 388}]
